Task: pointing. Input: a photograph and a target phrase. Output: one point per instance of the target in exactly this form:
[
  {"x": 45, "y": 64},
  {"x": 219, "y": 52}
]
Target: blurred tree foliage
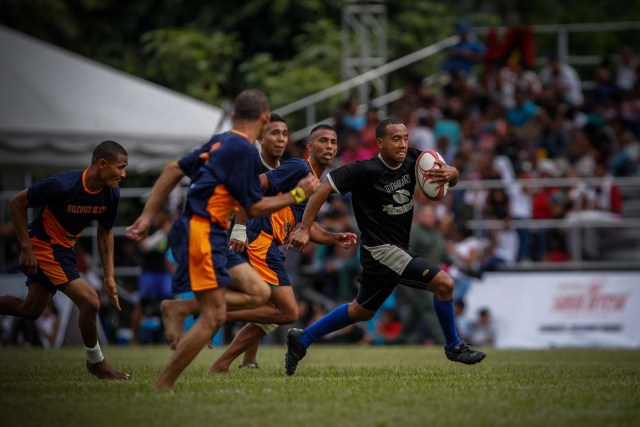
[{"x": 213, "y": 49}]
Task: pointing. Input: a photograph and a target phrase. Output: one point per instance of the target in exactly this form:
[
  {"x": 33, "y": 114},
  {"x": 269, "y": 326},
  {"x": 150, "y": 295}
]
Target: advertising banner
[{"x": 558, "y": 309}]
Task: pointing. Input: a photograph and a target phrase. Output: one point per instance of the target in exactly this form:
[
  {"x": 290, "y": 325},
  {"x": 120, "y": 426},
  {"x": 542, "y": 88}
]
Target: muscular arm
[
  {"x": 18, "y": 207},
  {"x": 166, "y": 182},
  {"x": 319, "y": 235},
  {"x": 300, "y": 237},
  {"x": 105, "y": 249}
]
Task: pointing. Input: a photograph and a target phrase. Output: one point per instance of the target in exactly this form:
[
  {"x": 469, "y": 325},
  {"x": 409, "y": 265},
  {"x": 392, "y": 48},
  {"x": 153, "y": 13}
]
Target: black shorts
[{"x": 375, "y": 288}]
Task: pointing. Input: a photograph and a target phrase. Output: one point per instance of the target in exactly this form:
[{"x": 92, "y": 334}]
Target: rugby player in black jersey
[{"x": 382, "y": 195}]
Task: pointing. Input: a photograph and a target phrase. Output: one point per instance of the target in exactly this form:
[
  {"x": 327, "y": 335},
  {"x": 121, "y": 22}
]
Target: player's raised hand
[
  {"x": 139, "y": 229},
  {"x": 111, "y": 289},
  {"x": 309, "y": 184},
  {"x": 346, "y": 240}
]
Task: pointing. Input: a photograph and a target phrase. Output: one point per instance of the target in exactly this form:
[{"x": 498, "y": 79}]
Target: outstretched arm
[
  {"x": 300, "y": 237},
  {"x": 319, "y": 235},
  {"x": 19, "y": 205},
  {"x": 166, "y": 182},
  {"x": 266, "y": 205},
  {"x": 105, "y": 249}
]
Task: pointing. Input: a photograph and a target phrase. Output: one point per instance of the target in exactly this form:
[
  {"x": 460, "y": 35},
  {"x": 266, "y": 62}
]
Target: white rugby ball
[{"x": 427, "y": 161}]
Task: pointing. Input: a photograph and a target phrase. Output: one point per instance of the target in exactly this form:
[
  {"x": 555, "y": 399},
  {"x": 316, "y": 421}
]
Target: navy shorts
[{"x": 57, "y": 266}]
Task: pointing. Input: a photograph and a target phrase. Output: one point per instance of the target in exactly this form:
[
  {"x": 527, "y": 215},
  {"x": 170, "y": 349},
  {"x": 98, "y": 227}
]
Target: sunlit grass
[{"x": 334, "y": 386}]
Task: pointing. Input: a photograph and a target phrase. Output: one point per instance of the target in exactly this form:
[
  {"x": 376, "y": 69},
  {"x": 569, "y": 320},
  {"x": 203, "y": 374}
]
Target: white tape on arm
[{"x": 239, "y": 232}]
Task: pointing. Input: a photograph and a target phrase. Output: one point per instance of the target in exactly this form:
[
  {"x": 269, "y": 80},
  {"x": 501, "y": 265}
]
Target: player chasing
[
  {"x": 263, "y": 237},
  {"x": 273, "y": 143},
  {"x": 228, "y": 178},
  {"x": 382, "y": 195},
  {"x": 68, "y": 203}
]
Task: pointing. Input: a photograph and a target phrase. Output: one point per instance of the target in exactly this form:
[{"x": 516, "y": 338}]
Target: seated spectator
[
  {"x": 482, "y": 331},
  {"x": 387, "y": 330},
  {"x": 354, "y": 149}
]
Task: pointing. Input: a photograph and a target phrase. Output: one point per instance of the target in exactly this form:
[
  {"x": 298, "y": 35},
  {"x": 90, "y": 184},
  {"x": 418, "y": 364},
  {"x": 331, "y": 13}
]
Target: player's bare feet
[
  {"x": 104, "y": 371},
  {"x": 219, "y": 367},
  {"x": 172, "y": 320}
]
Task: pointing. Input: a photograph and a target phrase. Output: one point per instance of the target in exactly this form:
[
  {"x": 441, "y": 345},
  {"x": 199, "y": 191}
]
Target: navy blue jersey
[
  {"x": 66, "y": 207},
  {"x": 229, "y": 177},
  {"x": 282, "y": 180}
]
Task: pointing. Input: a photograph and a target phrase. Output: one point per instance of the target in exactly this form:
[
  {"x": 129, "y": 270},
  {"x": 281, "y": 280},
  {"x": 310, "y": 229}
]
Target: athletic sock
[
  {"x": 444, "y": 311},
  {"x": 330, "y": 322}
]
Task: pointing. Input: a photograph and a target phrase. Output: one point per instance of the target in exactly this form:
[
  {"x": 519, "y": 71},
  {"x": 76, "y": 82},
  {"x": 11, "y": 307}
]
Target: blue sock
[
  {"x": 444, "y": 311},
  {"x": 330, "y": 322}
]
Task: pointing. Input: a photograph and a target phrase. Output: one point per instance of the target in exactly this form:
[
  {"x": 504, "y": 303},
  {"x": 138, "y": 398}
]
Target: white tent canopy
[{"x": 55, "y": 106}]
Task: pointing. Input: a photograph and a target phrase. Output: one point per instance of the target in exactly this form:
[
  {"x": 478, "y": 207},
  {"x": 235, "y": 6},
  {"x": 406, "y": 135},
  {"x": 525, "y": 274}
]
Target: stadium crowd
[{"x": 493, "y": 116}]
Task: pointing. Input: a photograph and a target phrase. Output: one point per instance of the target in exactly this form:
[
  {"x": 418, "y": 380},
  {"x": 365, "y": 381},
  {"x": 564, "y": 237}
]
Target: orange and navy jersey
[
  {"x": 67, "y": 206},
  {"x": 282, "y": 180},
  {"x": 228, "y": 177},
  {"x": 192, "y": 162}
]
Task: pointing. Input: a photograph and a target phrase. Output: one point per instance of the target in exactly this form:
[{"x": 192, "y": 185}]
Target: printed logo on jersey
[
  {"x": 390, "y": 188},
  {"x": 403, "y": 197},
  {"x": 81, "y": 209}
]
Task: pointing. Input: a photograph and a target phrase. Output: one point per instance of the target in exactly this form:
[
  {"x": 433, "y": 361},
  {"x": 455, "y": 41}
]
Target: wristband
[
  {"x": 239, "y": 232},
  {"x": 298, "y": 194}
]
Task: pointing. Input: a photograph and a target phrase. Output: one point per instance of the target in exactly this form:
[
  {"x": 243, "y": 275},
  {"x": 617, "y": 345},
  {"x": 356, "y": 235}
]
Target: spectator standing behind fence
[
  {"x": 465, "y": 54},
  {"x": 560, "y": 81}
]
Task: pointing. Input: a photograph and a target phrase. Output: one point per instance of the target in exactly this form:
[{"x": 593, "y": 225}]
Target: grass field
[{"x": 334, "y": 387}]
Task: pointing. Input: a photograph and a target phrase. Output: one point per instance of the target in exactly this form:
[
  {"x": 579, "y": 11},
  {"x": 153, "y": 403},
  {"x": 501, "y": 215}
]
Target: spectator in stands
[
  {"x": 387, "y": 330},
  {"x": 465, "y": 54},
  {"x": 466, "y": 253},
  {"x": 421, "y": 134},
  {"x": 482, "y": 331},
  {"x": 626, "y": 71},
  {"x": 47, "y": 325},
  {"x": 352, "y": 118},
  {"x": 560, "y": 81},
  {"x": 154, "y": 284},
  {"x": 368, "y": 132},
  {"x": 354, "y": 149}
]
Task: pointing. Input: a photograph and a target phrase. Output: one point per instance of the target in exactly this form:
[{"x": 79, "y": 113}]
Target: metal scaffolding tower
[{"x": 364, "y": 44}]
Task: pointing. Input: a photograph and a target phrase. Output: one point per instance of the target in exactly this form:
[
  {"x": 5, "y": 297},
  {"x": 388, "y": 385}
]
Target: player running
[{"x": 382, "y": 195}]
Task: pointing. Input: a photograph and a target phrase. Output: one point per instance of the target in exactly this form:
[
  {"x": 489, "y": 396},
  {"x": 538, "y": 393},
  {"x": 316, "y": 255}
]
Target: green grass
[{"x": 334, "y": 387}]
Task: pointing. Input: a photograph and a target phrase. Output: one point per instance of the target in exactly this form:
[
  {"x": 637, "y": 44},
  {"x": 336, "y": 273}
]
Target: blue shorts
[
  {"x": 154, "y": 286},
  {"x": 201, "y": 250},
  {"x": 266, "y": 258},
  {"x": 57, "y": 266}
]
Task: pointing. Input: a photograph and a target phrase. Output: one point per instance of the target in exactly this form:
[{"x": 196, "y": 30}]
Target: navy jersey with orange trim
[
  {"x": 192, "y": 162},
  {"x": 67, "y": 207},
  {"x": 282, "y": 180},
  {"x": 229, "y": 177}
]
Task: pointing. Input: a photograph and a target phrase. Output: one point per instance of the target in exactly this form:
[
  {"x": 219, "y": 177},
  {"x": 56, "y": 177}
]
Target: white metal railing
[
  {"x": 478, "y": 224},
  {"x": 309, "y": 103}
]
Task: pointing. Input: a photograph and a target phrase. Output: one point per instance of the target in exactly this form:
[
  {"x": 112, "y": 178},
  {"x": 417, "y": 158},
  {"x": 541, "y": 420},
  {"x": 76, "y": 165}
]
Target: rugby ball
[{"x": 427, "y": 161}]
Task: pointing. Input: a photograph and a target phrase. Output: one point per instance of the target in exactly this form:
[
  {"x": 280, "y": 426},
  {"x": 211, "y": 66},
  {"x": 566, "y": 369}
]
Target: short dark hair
[
  {"x": 321, "y": 126},
  {"x": 108, "y": 150},
  {"x": 250, "y": 104},
  {"x": 381, "y": 129},
  {"x": 273, "y": 118}
]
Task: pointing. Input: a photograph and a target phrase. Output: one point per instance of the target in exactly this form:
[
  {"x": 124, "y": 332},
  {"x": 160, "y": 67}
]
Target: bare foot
[
  {"x": 219, "y": 367},
  {"x": 172, "y": 320},
  {"x": 104, "y": 371}
]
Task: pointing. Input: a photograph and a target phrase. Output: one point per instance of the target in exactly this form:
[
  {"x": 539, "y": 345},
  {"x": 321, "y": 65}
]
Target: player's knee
[
  {"x": 357, "y": 313},
  {"x": 290, "y": 315},
  {"x": 444, "y": 286},
  {"x": 90, "y": 302},
  {"x": 261, "y": 294},
  {"x": 213, "y": 319}
]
